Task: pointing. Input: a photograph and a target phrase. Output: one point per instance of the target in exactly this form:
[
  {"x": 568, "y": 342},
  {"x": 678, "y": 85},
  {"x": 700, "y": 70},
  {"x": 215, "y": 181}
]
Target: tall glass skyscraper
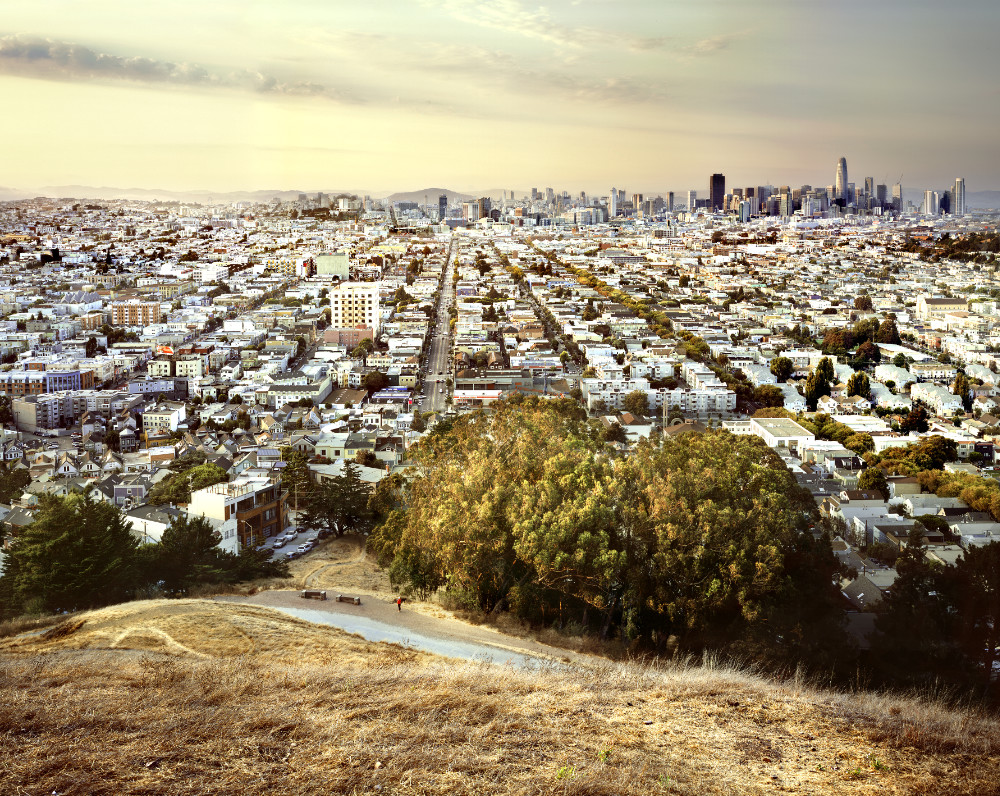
[
  {"x": 840, "y": 183},
  {"x": 717, "y": 191},
  {"x": 958, "y": 197}
]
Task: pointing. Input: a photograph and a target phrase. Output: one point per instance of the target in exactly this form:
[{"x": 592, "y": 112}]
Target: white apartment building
[
  {"x": 354, "y": 304},
  {"x": 939, "y": 398}
]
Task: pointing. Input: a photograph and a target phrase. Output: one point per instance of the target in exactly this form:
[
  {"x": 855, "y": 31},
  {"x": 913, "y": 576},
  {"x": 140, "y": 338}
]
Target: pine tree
[{"x": 77, "y": 553}]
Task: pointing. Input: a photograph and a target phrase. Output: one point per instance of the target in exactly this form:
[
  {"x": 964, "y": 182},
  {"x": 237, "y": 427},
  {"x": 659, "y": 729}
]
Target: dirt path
[{"x": 442, "y": 629}]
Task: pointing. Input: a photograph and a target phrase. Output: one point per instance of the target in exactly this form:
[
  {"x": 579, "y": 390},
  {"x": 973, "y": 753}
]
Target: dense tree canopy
[
  {"x": 77, "y": 553},
  {"x": 782, "y": 368},
  {"x": 702, "y": 537}
]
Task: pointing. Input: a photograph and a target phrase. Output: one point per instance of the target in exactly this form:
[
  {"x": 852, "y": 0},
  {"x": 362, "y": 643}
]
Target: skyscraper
[
  {"x": 897, "y": 197},
  {"x": 670, "y": 202},
  {"x": 840, "y": 183},
  {"x": 692, "y": 200},
  {"x": 442, "y": 206},
  {"x": 613, "y": 203},
  {"x": 716, "y": 191},
  {"x": 930, "y": 207},
  {"x": 958, "y": 197}
]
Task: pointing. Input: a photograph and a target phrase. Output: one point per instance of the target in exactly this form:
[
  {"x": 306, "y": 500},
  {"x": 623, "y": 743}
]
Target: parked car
[{"x": 279, "y": 542}]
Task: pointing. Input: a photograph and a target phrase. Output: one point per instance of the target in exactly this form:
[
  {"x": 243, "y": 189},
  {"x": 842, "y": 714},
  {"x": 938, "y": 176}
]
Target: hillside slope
[{"x": 192, "y": 696}]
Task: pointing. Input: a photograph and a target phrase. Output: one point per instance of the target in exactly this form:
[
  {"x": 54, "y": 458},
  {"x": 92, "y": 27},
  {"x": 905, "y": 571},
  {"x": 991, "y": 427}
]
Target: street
[{"x": 438, "y": 367}]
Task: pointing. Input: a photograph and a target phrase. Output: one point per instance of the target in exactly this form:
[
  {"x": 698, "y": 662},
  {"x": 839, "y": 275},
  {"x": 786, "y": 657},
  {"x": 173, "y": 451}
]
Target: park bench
[
  {"x": 313, "y": 594},
  {"x": 343, "y": 598}
]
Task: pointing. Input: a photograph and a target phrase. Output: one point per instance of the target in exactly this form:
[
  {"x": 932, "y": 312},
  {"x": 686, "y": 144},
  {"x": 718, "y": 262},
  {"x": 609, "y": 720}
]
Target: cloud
[
  {"x": 712, "y": 44},
  {"x": 481, "y": 65},
  {"x": 27, "y": 56},
  {"x": 512, "y": 16}
]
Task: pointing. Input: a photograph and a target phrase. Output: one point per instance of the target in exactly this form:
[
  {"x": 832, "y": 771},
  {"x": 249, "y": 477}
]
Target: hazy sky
[{"x": 646, "y": 95}]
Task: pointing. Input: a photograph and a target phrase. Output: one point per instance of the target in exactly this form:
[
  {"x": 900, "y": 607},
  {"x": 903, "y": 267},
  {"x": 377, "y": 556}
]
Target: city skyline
[{"x": 575, "y": 94}]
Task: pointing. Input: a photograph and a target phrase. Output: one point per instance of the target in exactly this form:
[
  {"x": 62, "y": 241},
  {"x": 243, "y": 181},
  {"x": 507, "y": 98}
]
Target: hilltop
[{"x": 191, "y": 696}]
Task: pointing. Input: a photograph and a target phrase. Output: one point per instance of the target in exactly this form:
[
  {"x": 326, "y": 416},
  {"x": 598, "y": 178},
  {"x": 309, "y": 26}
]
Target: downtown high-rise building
[
  {"x": 692, "y": 201},
  {"x": 670, "y": 202},
  {"x": 442, "y": 207},
  {"x": 840, "y": 185},
  {"x": 930, "y": 206},
  {"x": 717, "y": 192},
  {"x": 958, "y": 206},
  {"x": 613, "y": 202},
  {"x": 897, "y": 197}
]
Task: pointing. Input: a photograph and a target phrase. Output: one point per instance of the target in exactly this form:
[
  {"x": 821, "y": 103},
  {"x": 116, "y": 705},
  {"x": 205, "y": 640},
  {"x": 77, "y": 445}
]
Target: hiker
[{"x": 399, "y": 603}]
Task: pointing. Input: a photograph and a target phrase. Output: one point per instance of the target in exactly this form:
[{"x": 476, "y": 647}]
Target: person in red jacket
[{"x": 399, "y": 603}]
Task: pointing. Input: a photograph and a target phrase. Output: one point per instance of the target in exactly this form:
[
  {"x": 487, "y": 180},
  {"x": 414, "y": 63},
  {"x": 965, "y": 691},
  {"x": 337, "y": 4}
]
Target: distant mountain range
[{"x": 430, "y": 196}]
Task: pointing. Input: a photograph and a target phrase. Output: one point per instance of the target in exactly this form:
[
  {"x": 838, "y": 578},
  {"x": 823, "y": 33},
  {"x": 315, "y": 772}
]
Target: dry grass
[
  {"x": 27, "y": 623},
  {"x": 188, "y": 697}
]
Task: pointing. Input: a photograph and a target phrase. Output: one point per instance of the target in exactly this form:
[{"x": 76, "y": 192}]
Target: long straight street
[{"x": 437, "y": 365}]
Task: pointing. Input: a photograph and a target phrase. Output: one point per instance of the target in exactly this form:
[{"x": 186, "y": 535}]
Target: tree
[
  {"x": 816, "y": 388},
  {"x": 177, "y": 488},
  {"x": 769, "y": 396},
  {"x": 873, "y": 480},
  {"x": 916, "y": 420},
  {"x": 374, "y": 381},
  {"x": 636, "y": 402},
  {"x": 858, "y": 384},
  {"x": 782, "y": 368},
  {"x": 188, "y": 554},
  {"x": 12, "y": 483},
  {"x": 888, "y": 333},
  {"x": 824, "y": 369},
  {"x": 90, "y": 349},
  {"x": 860, "y": 443},
  {"x": 963, "y": 389},
  {"x": 615, "y": 433},
  {"x": 6, "y": 413},
  {"x": 366, "y": 459},
  {"x": 295, "y": 477},
  {"x": 77, "y": 553},
  {"x": 338, "y": 505},
  {"x": 869, "y": 352},
  {"x": 900, "y": 360},
  {"x": 863, "y": 303}
]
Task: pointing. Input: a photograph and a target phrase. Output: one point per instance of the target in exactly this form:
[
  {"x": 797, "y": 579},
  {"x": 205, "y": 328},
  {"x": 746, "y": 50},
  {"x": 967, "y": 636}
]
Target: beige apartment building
[{"x": 135, "y": 313}]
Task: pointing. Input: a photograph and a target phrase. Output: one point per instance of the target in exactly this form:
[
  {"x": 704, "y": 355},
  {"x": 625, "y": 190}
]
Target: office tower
[
  {"x": 763, "y": 192},
  {"x": 958, "y": 197},
  {"x": 869, "y": 186},
  {"x": 550, "y": 195},
  {"x": 636, "y": 203},
  {"x": 692, "y": 200},
  {"x": 613, "y": 203},
  {"x": 670, "y": 202},
  {"x": 744, "y": 211},
  {"x": 534, "y": 194},
  {"x": 840, "y": 183},
  {"x": 443, "y": 206},
  {"x": 930, "y": 206},
  {"x": 716, "y": 191},
  {"x": 946, "y": 204},
  {"x": 897, "y": 197},
  {"x": 881, "y": 194},
  {"x": 355, "y": 304}
]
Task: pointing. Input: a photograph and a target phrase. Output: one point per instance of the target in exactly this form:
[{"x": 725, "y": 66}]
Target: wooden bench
[
  {"x": 343, "y": 598},
  {"x": 313, "y": 594}
]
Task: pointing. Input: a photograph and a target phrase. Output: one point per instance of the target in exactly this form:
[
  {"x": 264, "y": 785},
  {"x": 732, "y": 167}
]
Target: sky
[{"x": 644, "y": 95}]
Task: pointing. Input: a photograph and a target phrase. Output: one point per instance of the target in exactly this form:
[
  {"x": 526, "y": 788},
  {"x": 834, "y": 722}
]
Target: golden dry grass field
[{"x": 193, "y": 697}]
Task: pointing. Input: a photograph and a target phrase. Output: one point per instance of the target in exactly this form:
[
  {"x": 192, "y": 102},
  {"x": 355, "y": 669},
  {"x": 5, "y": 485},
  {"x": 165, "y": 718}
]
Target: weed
[
  {"x": 603, "y": 755},
  {"x": 878, "y": 765},
  {"x": 566, "y": 772}
]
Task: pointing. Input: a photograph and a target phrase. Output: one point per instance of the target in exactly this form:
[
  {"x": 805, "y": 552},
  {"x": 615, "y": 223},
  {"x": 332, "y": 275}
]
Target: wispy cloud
[
  {"x": 535, "y": 22},
  {"x": 491, "y": 67},
  {"x": 711, "y": 44},
  {"x": 35, "y": 57}
]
